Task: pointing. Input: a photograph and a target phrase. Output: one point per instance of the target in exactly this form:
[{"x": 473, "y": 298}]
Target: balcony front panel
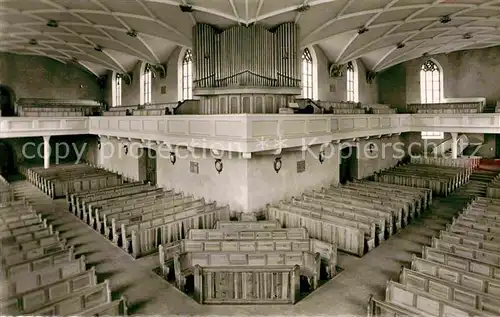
[
  {"x": 13, "y": 127},
  {"x": 462, "y": 123}
]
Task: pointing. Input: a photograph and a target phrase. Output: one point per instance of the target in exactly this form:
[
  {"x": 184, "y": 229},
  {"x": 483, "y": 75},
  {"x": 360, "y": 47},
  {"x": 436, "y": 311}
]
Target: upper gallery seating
[
  {"x": 41, "y": 275},
  {"x": 441, "y": 179},
  {"x": 443, "y": 108},
  {"x": 458, "y": 275},
  {"x": 58, "y": 108},
  {"x": 356, "y": 216},
  {"x": 120, "y": 111},
  {"x": 248, "y": 262},
  {"x": 378, "y": 109},
  {"x": 61, "y": 180},
  {"x": 159, "y": 109},
  {"x": 6, "y": 192},
  {"x": 341, "y": 107}
]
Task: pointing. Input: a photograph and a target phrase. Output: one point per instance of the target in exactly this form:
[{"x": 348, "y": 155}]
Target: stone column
[
  {"x": 46, "y": 152},
  {"x": 454, "y": 145}
]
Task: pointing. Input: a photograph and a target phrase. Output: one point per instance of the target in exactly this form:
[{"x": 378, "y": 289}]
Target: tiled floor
[{"x": 347, "y": 294}]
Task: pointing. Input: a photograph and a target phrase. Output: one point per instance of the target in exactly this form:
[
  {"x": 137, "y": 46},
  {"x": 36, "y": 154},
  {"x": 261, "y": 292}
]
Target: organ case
[{"x": 244, "y": 56}]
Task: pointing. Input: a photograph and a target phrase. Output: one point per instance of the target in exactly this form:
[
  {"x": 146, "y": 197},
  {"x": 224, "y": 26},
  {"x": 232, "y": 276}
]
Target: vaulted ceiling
[{"x": 115, "y": 34}]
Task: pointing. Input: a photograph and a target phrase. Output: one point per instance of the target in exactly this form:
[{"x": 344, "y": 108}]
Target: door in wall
[
  {"x": 150, "y": 162},
  {"x": 348, "y": 164}
]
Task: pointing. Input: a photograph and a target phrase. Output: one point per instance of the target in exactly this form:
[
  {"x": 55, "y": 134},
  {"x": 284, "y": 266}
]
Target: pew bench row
[
  {"x": 40, "y": 273},
  {"x": 458, "y": 275}
]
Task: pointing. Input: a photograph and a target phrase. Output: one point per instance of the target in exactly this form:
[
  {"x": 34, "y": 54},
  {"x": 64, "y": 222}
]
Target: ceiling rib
[{"x": 469, "y": 8}]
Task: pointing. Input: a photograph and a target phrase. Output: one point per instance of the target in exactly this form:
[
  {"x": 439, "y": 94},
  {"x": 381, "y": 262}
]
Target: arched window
[
  {"x": 147, "y": 84},
  {"x": 430, "y": 82},
  {"x": 307, "y": 74},
  {"x": 187, "y": 75},
  {"x": 118, "y": 90},
  {"x": 352, "y": 82}
]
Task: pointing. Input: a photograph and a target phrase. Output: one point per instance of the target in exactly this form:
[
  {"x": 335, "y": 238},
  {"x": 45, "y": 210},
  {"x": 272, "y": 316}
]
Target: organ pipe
[{"x": 246, "y": 56}]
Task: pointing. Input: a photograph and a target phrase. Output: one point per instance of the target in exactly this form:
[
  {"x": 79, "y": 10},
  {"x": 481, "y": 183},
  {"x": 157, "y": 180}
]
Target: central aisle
[{"x": 347, "y": 294}]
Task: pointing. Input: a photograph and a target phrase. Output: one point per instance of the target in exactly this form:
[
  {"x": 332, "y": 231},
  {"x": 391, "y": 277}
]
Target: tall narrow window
[
  {"x": 187, "y": 75},
  {"x": 307, "y": 74},
  {"x": 118, "y": 90},
  {"x": 147, "y": 84},
  {"x": 352, "y": 83},
  {"x": 430, "y": 83}
]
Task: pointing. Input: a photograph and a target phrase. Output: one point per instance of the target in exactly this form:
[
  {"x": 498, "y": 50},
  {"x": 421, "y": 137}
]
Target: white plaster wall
[
  {"x": 112, "y": 157},
  {"x": 228, "y": 187},
  {"x": 385, "y": 155},
  {"x": 265, "y": 186}
]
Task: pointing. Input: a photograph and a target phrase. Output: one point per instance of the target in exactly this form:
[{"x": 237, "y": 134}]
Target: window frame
[
  {"x": 187, "y": 75},
  {"x": 118, "y": 90},
  {"x": 351, "y": 82},
  {"x": 147, "y": 88},
  {"x": 431, "y": 82},
  {"x": 307, "y": 63}
]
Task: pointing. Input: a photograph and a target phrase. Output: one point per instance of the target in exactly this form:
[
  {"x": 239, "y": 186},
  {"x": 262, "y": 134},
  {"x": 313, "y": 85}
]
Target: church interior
[{"x": 158, "y": 156}]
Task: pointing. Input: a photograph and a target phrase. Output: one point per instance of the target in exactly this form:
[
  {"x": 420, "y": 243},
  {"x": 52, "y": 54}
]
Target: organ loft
[{"x": 284, "y": 157}]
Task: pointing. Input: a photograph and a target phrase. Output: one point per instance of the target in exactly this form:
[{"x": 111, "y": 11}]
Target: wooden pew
[
  {"x": 377, "y": 308},
  {"x": 465, "y": 278},
  {"x": 60, "y": 180},
  {"x": 6, "y": 191},
  {"x": 348, "y": 239},
  {"x": 122, "y": 197},
  {"x": 89, "y": 301},
  {"x": 425, "y": 193},
  {"x": 144, "y": 237},
  {"x": 74, "y": 198},
  {"x": 484, "y": 227},
  {"x": 120, "y": 204},
  {"x": 29, "y": 229},
  {"x": 366, "y": 203},
  {"x": 37, "y": 298},
  {"x": 369, "y": 230},
  {"x": 457, "y": 261},
  {"x": 28, "y": 242},
  {"x": 385, "y": 216},
  {"x": 451, "y": 291},
  {"x": 83, "y": 201},
  {"x": 477, "y": 243},
  {"x": 158, "y": 212},
  {"x": 422, "y": 198},
  {"x": 22, "y": 283},
  {"x": 442, "y": 180},
  {"x": 490, "y": 257},
  {"x": 247, "y": 225},
  {"x": 380, "y": 223},
  {"x": 410, "y": 204},
  {"x": 396, "y": 207},
  {"x": 469, "y": 163},
  {"x": 38, "y": 263},
  {"x": 423, "y": 303}
]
